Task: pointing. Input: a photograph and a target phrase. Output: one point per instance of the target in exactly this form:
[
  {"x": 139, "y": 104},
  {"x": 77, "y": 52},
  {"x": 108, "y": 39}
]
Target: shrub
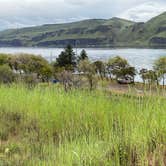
[
  {"x": 30, "y": 80},
  {"x": 4, "y": 59},
  {"x": 6, "y": 74}
]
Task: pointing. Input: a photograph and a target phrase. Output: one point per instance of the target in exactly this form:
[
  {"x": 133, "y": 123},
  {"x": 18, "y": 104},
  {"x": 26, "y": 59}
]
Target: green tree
[
  {"x": 41, "y": 67},
  {"x": 142, "y": 73},
  {"x": 24, "y": 61},
  {"x": 67, "y": 58},
  {"x": 160, "y": 68},
  {"x": 120, "y": 68},
  {"x": 149, "y": 76},
  {"x": 28, "y": 64},
  {"x": 100, "y": 68},
  {"x": 20, "y": 62},
  {"x": 88, "y": 69},
  {"x": 83, "y": 55},
  {"x": 115, "y": 64},
  {"x": 127, "y": 71}
]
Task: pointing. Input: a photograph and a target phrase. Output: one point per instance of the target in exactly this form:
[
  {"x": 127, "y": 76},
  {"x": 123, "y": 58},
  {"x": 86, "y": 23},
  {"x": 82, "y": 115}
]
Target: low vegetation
[
  {"x": 47, "y": 126},
  {"x": 71, "y": 69},
  {"x": 56, "y": 114}
]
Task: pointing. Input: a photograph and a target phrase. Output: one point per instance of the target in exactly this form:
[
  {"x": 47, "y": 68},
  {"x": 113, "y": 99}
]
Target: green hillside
[{"x": 90, "y": 33}]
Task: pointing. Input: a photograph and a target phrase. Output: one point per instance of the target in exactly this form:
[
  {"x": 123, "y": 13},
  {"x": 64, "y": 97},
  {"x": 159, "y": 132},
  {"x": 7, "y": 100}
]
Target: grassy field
[{"x": 46, "y": 126}]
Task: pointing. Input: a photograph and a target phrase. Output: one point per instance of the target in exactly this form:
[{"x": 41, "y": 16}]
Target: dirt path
[{"x": 137, "y": 89}]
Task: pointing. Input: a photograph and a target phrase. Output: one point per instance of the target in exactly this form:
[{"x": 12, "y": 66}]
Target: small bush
[
  {"x": 29, "y": 79},
  {"x": 6, "y": 74}
]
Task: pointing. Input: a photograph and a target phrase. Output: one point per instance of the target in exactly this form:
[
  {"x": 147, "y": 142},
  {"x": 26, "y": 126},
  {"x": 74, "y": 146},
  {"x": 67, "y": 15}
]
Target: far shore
[{"x": 90, "y": 47}]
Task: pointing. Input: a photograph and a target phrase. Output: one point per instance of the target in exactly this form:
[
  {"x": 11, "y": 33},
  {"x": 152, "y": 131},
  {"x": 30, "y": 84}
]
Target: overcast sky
[{"x": 21, "y": 13}]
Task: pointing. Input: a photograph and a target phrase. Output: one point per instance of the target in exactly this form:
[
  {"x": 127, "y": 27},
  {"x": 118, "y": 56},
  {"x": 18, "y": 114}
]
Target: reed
[{"x": 46, "y": 126}]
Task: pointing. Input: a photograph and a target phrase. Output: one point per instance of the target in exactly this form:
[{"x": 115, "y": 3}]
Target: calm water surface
[{"x": 140, "y": 58}]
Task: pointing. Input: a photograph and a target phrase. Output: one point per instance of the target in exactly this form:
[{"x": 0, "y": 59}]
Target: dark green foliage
[
  {"x": 149, "y": 76},
  {"x": 117, "y": 63},
  {"x": 131, "y": 71},
  {"x": 160, "y": 68},
  {"x": 27, "y": 64},
  {"x": 67, "y": 58},
  {"x": 27, "y": 67},
  {"x": 32, "y": 69},
  {"x": 6, "y": 74},
  {"x": 41, "y": 67},
  {"x": 4, "y": 59},
  {"x": 119, "y": 67},
  {"x": 83, "y": 55},
  {"x": 100, "y": 68}
]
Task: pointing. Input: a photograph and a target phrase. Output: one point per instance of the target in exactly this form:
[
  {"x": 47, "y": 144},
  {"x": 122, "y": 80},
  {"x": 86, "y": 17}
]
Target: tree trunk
[{"x": 91, "y": 84}]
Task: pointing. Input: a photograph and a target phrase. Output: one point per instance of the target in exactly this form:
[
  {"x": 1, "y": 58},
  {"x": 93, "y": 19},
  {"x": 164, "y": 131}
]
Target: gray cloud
[{"x": 20, "y": 13}]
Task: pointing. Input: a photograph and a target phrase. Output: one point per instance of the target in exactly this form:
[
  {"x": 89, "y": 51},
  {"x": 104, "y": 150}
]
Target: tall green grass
[{"x": 46, "y": 126}]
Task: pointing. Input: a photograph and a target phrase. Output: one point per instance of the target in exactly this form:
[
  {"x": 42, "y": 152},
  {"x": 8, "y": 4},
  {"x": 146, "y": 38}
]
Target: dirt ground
[{"x": 136, "y": 89}]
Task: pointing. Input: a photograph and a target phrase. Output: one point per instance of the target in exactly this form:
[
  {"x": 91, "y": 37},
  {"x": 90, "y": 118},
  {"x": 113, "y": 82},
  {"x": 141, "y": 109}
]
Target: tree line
[{"x": 72, "y": 70}]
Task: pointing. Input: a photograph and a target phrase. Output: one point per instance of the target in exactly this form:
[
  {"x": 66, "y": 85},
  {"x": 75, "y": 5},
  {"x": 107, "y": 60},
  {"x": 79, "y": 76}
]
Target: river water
[{"x": 139, "y": 58}]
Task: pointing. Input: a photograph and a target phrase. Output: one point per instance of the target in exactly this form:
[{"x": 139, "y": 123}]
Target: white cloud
[
  {"x": 83, "y": 2},
  {"x": 19, "y": 13},
  {"x": 144, "y": 12}
]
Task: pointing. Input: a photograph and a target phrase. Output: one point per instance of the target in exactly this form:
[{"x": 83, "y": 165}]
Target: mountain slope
[
  {"x": 90, "y": 33},
  {"x": 156, "y": 29}
]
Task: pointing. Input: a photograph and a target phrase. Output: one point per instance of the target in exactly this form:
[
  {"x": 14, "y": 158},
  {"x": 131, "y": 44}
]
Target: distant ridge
[{"x": 114, "y": 32}]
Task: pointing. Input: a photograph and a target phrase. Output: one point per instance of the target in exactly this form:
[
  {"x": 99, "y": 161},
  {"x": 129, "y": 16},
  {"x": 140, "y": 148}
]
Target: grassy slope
[
  {"x": 46, "y": 126},
  {"x": 142, "y": 33},
  {"x": 88, "y": 29},
  {"x": 154, "y": 24},
  {"x": 114, "y": 31}
]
